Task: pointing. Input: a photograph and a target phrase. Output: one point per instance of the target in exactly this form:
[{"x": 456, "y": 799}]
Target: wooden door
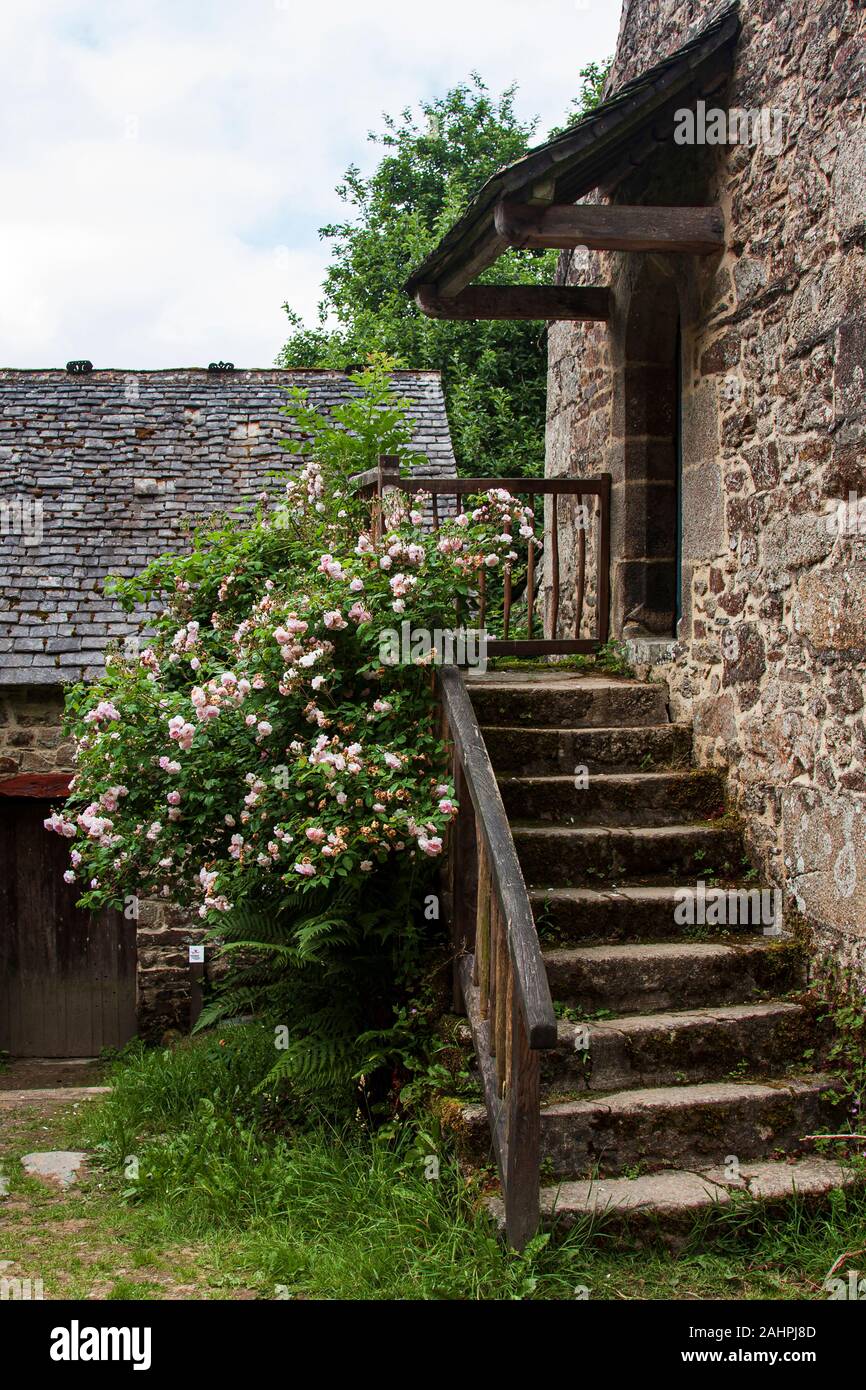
[{"x": 67, "y": 977}]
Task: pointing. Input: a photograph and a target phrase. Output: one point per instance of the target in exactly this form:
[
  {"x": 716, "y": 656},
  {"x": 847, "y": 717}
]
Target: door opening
[
  {"x": 67, "y": 977},
  {"x": 648, "y": 552}
]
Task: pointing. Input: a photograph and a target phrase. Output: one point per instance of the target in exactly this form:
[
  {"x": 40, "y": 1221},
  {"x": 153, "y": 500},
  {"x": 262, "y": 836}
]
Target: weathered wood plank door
[{"x": 67, "y": 977}]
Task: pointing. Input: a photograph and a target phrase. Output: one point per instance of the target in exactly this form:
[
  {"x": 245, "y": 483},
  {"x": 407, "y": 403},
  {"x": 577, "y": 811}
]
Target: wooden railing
[
  {"x": 500, "y": 979},
  {"x": 591, "y": 503}
]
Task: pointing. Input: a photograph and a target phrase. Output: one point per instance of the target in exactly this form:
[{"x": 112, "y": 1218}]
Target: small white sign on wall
[{"x": 196, "y": 955}]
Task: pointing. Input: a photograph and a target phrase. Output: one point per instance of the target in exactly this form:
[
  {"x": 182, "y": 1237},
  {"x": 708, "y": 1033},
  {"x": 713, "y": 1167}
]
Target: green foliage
[
  {"x": 351, "y": 437},
  {"x": 432, "y": 163},
  {"x": 339, "y": 1213},
  {"x": 593, "y": 77},
  {"x": 330, "y": 1212},
  {"x": 269, "y": 763},
  {"x": 318, "y": 973},
  {"x": 612, "y": 659},
  {"x": 155, "y": 1090},
  {"x": 843, "y": 1016}
]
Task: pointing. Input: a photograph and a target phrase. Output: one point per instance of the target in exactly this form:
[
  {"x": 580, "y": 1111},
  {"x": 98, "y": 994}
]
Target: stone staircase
[{"x": 678, "y": 1078}]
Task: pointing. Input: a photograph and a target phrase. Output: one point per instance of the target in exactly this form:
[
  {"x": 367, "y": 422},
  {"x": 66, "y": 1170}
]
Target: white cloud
[{"x": 165, "y": 167}]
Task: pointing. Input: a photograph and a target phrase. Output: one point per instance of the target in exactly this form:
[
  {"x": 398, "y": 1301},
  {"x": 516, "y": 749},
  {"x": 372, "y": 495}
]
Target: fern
[{"x": 325, "y": 972}]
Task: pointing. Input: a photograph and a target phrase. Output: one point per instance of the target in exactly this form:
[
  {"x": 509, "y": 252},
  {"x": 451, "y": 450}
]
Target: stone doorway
[{"x": 647, "y": 506}]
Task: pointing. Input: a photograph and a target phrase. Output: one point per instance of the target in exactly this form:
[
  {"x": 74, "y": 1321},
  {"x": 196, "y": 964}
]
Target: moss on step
[{"x": 609, "y": 660}]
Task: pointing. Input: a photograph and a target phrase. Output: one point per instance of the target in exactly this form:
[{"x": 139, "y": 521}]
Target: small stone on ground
[{"x": 62, "y": 1166}]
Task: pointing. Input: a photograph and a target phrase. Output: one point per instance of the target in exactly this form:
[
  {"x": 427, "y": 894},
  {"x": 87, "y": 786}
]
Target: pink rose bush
[
  {"x": 262, "y": 765},
  {"x": 257, "y": 745}
]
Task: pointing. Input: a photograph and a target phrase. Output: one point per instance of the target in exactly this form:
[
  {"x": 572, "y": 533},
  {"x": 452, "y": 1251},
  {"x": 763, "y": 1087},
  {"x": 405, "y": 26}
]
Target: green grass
[
  {"x": 252, "y": 1200},
  {"x": 323, "y": 1212}
]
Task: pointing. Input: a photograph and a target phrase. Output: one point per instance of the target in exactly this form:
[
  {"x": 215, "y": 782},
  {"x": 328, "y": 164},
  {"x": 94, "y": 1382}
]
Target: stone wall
[
  {"x": 31, "y": 731},
  {"x": 770, "y": 657}
]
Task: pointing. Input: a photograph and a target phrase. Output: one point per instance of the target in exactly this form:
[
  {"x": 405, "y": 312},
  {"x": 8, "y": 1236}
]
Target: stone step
[
  {"x": 568, "y": 856},
  {"x": 667, "y": 1204},
  {"x": 630, "y": 798},
  {"x": 557, "y": 701},
  {"x": 629, "y": 912},
  {"x": 536, "y": 751},
  {"x": 638, "y": 978},
  {"x": 699, "y": 1126},
  {"x": 666, "y": 1049}
]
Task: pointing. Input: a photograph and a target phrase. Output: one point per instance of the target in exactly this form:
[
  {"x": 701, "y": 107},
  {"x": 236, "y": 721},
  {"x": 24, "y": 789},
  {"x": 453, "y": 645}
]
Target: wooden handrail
[
  {"x": 533, "y": 991},
  {"x": 365, "y": 483},
  {"x": 501, "y": 979}
]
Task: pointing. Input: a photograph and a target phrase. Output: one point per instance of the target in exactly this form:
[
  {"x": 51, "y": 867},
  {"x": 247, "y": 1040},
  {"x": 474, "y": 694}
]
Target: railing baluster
[
  {"x": 508, "y": 1032},
  {"x": 603, "y": 547},
  {"x": 482, "y": 597},
  {"x": 506, "y": 601},
  {"x": 435, "y": 513},
  {"x": 503, "y": 978},
  {"x": 523, "y": 1119},
  {"x": 482, "y": 927},
  {"x": 492, "y": 978},
  {"x": 554, "y": 567},
  {"x": 463, "y": 864},
  {"x": 581, "y": 566},
  {"x": 530, "y": 587}
]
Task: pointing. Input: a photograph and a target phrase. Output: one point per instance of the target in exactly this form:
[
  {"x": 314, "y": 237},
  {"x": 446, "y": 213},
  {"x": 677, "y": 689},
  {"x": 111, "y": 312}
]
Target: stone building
[
  {"x": 725, "y": 396},
  {"x": 718, "y": 380},
  {"x": 705, "y": 332},
  {"x": 99, "y": 473}
]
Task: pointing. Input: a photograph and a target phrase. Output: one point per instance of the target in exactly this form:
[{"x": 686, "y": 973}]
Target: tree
[{"x": 494, "y": 373}]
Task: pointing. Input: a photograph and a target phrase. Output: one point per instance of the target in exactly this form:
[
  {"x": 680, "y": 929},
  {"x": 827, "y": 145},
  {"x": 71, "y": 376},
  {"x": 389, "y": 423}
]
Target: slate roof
[
  {"x": 581, "y": 157},
  {"x": 121, "y": 462}
]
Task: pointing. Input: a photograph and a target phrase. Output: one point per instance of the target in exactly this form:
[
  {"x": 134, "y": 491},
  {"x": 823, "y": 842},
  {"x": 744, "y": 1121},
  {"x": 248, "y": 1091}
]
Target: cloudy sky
[{"x": 166, "y": 164}]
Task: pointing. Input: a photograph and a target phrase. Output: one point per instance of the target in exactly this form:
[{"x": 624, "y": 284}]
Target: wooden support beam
[
  {"x": 487, "y": 249},
  {"x": 549, "y": 302},
  {"x": 611, "y": 227},
  {"x": 53, "y": 785}
]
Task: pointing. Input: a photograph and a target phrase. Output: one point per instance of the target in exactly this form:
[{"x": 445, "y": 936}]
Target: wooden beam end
[{"x": 544, "y": 302}]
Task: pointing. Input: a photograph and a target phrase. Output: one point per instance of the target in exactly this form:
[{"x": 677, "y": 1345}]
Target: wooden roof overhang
[{"x": 532, "y": 202}]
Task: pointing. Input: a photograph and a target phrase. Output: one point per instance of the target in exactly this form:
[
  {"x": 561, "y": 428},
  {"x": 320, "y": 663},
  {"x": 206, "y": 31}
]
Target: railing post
[
  {"x": 603, "y": 579},
  {"x": 387, "y": 478},
  {"x": 464, "y": 881},
  {"x": 521, "y": 1189},
  {"x": 388, "y": 469}
]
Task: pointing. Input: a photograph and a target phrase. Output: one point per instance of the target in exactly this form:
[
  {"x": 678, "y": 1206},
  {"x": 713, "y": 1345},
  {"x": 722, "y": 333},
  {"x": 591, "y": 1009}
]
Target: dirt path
[{"x": 85, "y": 1242}]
